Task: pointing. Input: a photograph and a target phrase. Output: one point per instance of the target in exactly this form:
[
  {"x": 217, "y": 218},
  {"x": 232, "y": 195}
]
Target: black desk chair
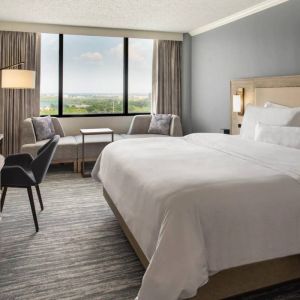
[{"x": 22, "y": 171}]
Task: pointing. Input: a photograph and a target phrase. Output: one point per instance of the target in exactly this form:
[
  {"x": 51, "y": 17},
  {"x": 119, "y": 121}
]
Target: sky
[{"x": 94, "y": 64}]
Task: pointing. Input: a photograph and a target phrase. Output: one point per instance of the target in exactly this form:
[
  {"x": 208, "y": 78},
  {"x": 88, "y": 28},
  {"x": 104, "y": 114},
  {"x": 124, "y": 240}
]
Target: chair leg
[
  {"x": 3, "y": 197},
  {"x": 39, "y": 196},
  {"x": 29, "y": 190}
]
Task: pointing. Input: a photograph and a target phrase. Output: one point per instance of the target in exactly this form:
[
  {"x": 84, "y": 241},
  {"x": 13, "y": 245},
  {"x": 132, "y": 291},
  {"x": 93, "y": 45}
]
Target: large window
[
  {"x": 92, "y": 75},
  {"x": 49, "y": 74},
  {"x": 140, "y": 75}
]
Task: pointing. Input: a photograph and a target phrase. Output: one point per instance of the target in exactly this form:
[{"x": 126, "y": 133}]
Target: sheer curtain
[
  {"x": 166, "y": 77},
  {"x": 17, "y": 105}
]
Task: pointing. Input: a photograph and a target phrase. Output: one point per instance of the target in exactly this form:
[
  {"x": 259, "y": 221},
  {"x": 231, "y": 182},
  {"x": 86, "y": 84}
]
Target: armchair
[
  {"x": 140, "y": 125},
  {"x": 22, "y": 171}
]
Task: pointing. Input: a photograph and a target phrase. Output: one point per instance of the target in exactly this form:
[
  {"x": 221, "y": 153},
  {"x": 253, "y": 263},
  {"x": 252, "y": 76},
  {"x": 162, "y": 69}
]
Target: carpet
[
  {"x": 80, "y": 251},
  {"x": 284, "y": 291}
]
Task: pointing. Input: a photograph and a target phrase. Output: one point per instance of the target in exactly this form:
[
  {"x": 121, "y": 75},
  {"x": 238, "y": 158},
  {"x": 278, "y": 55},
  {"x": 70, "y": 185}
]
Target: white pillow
[
  {"x": 280, "y": 135},
  {"x": 269, "y": 104},
  {"x": 271, "y": 116}
]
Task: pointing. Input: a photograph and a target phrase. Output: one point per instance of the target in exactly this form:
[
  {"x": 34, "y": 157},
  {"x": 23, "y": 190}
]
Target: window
[
  {"x": 140, "y": 75},
  {"x": 49, "y": 74},
  {"x": 92, "y": 75}
]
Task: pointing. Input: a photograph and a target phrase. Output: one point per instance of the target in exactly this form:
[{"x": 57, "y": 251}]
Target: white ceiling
[{"x": 156, "y": 15}]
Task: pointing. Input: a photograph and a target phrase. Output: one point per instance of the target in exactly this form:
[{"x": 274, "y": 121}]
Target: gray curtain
[
  {"x": 17, "y": 105},
  {"x": 166, "y": 77}
]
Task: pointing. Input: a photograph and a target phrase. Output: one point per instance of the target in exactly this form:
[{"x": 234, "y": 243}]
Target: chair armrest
[
  {"x": 21, "y": 159},
  {"x": 16, "y": 176},
  {"x": 27, "y": 132},
  {"x": 140, "y": 124},
  {"x": 57, "y": 127},
  {"x": 175, "y": 127}
]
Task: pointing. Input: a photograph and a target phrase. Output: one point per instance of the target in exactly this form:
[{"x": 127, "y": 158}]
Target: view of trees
[
  {"x": 94, "y": 104},
  {"x": 93, "y": 74}
]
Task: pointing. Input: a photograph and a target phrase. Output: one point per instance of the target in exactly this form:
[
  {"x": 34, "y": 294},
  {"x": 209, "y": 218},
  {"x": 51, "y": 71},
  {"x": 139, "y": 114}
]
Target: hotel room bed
[{"x": 201, "y": 204}]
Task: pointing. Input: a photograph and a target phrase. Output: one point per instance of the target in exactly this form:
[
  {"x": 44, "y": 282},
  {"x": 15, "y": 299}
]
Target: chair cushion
[
  {"x": 66, "y": 149},
  {"x": 43, "y": 128},
  {"x": 160, "y": 124}
]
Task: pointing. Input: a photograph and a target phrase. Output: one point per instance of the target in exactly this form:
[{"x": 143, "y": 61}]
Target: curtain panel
[
  {"x": 17, "y": 105},
  {"x": 166, "y": 77}
]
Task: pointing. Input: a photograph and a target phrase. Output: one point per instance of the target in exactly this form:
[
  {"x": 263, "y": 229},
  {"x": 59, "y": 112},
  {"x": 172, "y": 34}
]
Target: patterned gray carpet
[{"x": 80, "y": 251}]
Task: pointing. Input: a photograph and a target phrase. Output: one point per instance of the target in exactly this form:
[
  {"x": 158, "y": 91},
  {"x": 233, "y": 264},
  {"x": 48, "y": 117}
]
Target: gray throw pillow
[
  {"x": 43, "y": 128},
  {"x": 160, "y": 124}
]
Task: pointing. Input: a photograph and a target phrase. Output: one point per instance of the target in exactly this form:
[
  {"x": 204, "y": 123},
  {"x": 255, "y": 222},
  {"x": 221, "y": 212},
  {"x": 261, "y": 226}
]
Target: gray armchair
[
  {"x": 140, "y": 125},
  {"x": 22, "y": 171}
]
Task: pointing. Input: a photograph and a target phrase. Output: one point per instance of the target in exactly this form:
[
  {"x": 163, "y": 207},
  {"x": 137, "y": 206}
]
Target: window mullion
[
  {"x": 125, "y": 77},
  {"x": 60, "y": 75}
]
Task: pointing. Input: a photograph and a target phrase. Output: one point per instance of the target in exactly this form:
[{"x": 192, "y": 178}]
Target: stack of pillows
[{"x": 273, "y": 123}]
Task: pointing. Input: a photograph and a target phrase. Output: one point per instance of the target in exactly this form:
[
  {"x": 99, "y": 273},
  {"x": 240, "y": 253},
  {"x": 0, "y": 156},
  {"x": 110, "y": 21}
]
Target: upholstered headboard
[
  {"x": 284, "y": 90},
  {"x": 288, "y": 96}
]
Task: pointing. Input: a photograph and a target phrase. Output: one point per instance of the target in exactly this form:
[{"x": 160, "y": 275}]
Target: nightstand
[{"x": 225, "y": 130}]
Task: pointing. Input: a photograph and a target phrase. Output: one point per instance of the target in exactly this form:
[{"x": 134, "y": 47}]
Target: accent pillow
[
  {"x": 43, "y": 128},
  {"x": 271, "y": 116},
  {"x": 160, "y": 124},
  {"x": 280, "y": 135}
]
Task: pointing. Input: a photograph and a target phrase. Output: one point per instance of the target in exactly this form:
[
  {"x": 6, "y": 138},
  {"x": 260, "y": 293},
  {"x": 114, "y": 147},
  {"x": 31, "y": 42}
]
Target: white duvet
[{"x": 201, "y": 204}]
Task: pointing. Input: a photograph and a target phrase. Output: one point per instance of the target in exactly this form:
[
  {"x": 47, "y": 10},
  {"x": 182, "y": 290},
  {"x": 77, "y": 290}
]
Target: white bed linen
[{"x": 203, "y": 203}]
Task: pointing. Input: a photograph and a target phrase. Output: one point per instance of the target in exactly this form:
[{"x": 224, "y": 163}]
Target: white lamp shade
[
  {"x": 237, "y": 104},
  {"x": 18, "y": 79}
]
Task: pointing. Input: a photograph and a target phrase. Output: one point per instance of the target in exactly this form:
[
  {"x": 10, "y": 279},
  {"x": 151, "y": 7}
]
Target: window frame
[{"x": 125, "y": 85}]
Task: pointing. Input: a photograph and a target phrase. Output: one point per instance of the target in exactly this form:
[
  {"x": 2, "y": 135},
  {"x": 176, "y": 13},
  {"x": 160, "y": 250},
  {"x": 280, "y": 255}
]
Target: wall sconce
[{"x": 238, "y": 102}]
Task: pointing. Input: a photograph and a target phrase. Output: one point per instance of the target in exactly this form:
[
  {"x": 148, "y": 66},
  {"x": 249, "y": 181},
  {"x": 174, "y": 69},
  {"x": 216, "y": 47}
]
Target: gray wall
[{"x": 264, "y": 44}]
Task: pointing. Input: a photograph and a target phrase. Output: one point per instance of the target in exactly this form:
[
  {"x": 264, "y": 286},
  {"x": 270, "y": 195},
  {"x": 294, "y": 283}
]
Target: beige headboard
[
  {"x": 288, "y": 96},
  {"x": 283, "y": 90}
]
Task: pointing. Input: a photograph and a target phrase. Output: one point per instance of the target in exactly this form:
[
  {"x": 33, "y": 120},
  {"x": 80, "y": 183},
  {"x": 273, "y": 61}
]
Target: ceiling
[{"x": 156, "y": 15}]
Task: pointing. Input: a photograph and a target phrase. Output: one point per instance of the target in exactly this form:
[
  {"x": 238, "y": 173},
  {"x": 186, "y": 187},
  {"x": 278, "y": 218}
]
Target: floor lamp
[{"x": 16, "y": 79}]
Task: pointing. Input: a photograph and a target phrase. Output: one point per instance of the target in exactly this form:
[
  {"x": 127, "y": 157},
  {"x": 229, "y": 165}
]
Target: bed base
[{"x": 233, "y": 281}]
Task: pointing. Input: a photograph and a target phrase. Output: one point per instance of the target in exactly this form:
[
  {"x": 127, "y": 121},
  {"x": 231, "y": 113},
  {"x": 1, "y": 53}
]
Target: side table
[{"x": 92, "y": 131}]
